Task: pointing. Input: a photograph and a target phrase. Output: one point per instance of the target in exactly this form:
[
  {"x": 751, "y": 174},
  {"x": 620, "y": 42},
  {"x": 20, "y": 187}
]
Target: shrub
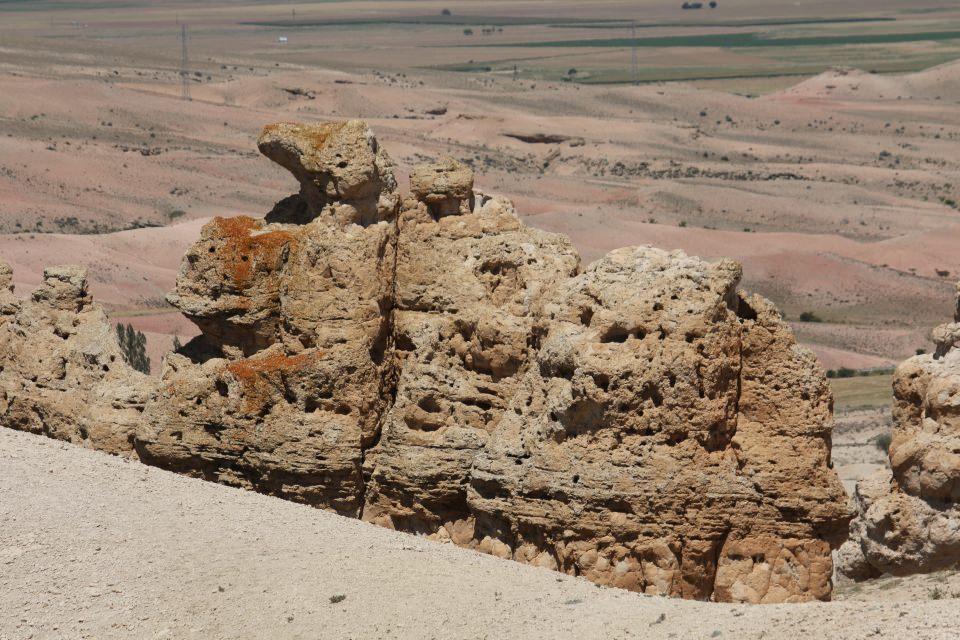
[
  {"x": 882, "y": 442},
  {"x": 809, "y": 316}
]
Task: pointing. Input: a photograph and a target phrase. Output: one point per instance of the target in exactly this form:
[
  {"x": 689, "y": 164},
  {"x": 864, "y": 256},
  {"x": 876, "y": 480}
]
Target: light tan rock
[
  {"x": 466, "y": 290},
  {"x": 62, "y": 373},
  {"x": 286, "y": 386}
]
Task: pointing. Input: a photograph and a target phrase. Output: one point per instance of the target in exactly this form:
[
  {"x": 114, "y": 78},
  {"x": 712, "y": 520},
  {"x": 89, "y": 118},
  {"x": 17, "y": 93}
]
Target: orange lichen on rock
[
  {"x": 257, "y": 376},
  {"x": 317, "y": 134},
  {"x": 243, "y": 250}
]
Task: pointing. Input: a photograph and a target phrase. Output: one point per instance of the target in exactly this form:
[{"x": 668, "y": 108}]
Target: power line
[
  {"x": 634, "y": 60},
  {"x": 184, "y": 64}
]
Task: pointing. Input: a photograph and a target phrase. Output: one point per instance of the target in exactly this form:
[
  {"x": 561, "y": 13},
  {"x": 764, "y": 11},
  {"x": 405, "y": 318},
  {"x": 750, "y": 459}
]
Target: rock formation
[
  {"x": 433, "y": 365},
  {"x": 464, "y": 323},
  {"x": 907, "y": 518},
  {"x": 61, "y": 370}
]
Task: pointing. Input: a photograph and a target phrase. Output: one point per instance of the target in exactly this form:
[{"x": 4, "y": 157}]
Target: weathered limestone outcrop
[
  {"x": 463, "y": 322},
  {"x": 62, "y": 373},
  {"x": 286, "y": 386},
  {"x": 435, "y": 366},
  {"x": 446, "y": 188},
  {"x": 646, "y": 449},
  {"x": 908, "y": 520}
]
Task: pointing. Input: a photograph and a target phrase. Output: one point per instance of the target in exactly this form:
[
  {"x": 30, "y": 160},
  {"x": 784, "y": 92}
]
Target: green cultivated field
[{"x": 862, "y": 392}]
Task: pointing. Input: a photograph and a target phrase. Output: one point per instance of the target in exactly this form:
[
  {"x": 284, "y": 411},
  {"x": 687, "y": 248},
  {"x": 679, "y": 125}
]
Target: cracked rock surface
[{"x": 433, "y": 365}]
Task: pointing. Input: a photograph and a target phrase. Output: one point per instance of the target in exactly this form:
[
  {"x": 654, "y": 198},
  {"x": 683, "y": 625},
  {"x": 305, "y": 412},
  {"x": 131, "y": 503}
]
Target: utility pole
[
  {"x": 184, "y": 63},
  {"x": 634, "y": 60}
]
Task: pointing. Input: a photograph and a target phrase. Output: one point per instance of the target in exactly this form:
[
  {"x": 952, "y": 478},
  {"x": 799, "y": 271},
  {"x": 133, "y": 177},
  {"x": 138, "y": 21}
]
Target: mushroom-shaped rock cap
[
  {"x": 342, "y": 170},
  {"x": 446, "y": 187}
]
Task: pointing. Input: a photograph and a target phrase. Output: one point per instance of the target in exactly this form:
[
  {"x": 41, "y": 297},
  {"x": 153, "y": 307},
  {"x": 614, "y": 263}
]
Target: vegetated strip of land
[
  {"x": 862, "y": 392},
  {"x": 654, "y": 75},
  {"x": 738, "y": 40},
  {"x": 452, "y": 20},
  {"x": 553, "y": 22},
  {"x": 763, "y": 22}
]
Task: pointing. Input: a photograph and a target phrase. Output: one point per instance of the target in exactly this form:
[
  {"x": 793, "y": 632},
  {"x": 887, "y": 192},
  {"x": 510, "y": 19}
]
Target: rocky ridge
[{"x": 432, "y": 365}]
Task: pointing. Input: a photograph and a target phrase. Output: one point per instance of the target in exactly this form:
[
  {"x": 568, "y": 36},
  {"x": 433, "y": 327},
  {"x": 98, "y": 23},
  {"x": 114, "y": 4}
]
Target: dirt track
[{"x": 98, "y": 547}]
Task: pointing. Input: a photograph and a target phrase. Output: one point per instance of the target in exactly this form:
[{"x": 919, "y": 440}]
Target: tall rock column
[{"x": 468, "y": 282}]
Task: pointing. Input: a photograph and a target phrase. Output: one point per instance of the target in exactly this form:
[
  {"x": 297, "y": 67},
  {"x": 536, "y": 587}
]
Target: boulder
[{"x": 647, "y": 446}]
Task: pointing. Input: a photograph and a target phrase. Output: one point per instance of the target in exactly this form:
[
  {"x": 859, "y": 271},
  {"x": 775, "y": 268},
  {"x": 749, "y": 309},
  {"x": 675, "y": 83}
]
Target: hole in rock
[
  {"x": 615, "y": 334},
  {"x": 744, "y": 311},
  {"x": 429, "y": 404}
]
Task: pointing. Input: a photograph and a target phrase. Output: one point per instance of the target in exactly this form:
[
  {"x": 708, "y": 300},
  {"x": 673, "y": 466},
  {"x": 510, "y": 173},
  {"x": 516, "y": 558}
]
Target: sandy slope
[{"x": 98, "y": 547}]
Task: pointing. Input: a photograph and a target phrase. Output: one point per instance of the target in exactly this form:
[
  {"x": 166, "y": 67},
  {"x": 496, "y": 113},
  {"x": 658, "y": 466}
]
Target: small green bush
[{"x": 882, "y": 442}]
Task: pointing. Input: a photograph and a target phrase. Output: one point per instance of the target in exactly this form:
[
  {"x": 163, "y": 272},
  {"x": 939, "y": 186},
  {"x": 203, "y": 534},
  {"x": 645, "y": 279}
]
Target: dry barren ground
[{"x": 98, "y": 547}]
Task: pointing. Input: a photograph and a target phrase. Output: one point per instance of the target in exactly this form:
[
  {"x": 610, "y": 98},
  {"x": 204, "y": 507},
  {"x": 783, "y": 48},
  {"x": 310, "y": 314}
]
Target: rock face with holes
[
  {"x": 433, "y": 365},
  {"x": 908, "y": 519},
  {"x": 62, "y": 373},
  {"x": 670, "y": 438},
  {"x": 464, "y": 326},
  {"x": 287, "y": 384}
]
